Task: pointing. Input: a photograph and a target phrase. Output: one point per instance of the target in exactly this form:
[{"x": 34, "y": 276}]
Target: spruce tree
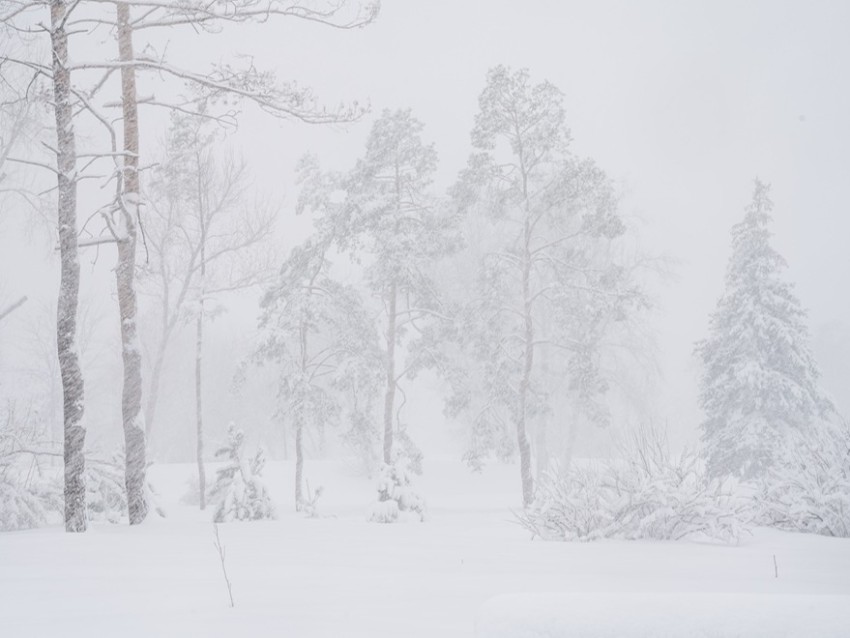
[{"x": 759, "y": 380}]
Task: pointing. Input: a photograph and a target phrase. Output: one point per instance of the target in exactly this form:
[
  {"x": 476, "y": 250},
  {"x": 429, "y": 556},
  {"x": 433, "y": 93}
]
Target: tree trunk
[
  {"x": 389, "y": 398},
  {"x": 521, "y": 433},
  {"x": 131, "y": 405},
  {"x": 199, "y": 343},
  {"x": 66, "y": 319},
  {"x": 299, "y": 457},
  {"x": 153, "y": 390}
]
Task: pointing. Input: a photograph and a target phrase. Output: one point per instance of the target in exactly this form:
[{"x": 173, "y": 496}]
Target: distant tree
[
  {"x": 549, "y": 285},
  {"x": 399, "y": 231},
  {"x": 759, "y": 380},
  {"x": 205, "y": 237},
  {"x": 318, "y": 333}
]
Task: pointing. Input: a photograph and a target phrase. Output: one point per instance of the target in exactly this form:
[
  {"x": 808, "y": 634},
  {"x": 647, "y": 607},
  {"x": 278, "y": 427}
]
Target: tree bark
[
  {"x": 528, "y": 341},
  {"x": 528, "y": 363},
  {"x": 389, "y": 397},
  {"x": 199, "y": 343},
  {"x": 131, "y": 405},
  {"x": 299, "y": 457},
  {"x": 66, "y": 319}
]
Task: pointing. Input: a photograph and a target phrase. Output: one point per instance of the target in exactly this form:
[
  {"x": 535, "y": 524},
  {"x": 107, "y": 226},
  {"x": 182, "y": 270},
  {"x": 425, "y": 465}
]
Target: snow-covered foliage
[
  {"x": 808, "y": 490},
  {"x": 759, "y": 381},
  {"x": 397, "y": 502},
  {"x": 106, "y": 494},
  {"x": 24, "y": 505},
  {"x": 648, "y": 493},
  {"x": 239, "y": 493},
  {"x": 386, "y": 219},
  {"x": 29, "y": 497},
  {"x": 317, "y": 333},
  {"x": 550, "y": 285}
]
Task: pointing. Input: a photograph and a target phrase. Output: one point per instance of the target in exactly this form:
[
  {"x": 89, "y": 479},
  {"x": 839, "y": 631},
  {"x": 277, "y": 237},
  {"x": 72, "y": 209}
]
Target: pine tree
[{"x": 759, "y": 381}]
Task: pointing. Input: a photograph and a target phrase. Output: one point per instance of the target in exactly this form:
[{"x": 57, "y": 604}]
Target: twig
[
  {"x": 20, "y": 302},
  {"x": 775, "y": 567},
  {"x": 221, "y": 555}
]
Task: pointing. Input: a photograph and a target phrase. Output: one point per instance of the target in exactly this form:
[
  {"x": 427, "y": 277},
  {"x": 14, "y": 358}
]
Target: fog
[{"x": 686, "y": 109}]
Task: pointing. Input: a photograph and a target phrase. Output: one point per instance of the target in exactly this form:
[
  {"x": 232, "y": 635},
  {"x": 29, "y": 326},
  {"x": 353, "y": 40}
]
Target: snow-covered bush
[
  {"x": 310, "y": 503},
  {"x": 23, "y": 506},
  {"x": 106, "y": 494},
  {"x": 27, "y": 497},
  {"x": 396, "y": 499},
  {"x": 809, "y": 490},
  {"x": 239, "y": 491},
  {"x": 648, "y": 493}
]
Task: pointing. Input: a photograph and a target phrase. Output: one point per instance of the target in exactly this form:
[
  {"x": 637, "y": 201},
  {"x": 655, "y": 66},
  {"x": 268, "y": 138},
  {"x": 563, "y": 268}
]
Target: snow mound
[{"x": 664, "y": 616}]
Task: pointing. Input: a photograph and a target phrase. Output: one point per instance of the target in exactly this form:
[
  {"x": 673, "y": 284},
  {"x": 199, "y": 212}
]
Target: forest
[{"x": 275, "y": 275}]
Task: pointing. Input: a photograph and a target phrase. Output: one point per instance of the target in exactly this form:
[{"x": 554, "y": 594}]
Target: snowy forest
[{"x": 361, "y": 318}]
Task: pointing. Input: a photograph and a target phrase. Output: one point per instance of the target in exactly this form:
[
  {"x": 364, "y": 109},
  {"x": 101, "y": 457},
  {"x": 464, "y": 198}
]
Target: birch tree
[
  {"x": 18, "y": 15},
  {"x": 225, "y": 84},
  {"x": 204, "y": 234},
  {"x": 546, "y": 283}
]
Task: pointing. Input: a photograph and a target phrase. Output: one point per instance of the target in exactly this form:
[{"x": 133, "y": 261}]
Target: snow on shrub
[
  {"x": 106, "y": 493},
  {"x": 649, "y": 493},
  {"x": 809, "y": 489},
  {"x": 27, "y": 498},
  {"x": 239, "y": 491},
  {"x": 396, "y": 499}
]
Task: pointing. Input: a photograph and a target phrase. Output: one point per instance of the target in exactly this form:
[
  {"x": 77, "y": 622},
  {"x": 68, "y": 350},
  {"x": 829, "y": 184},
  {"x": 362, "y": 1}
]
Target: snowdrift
[{"x": 664, "y": 616}]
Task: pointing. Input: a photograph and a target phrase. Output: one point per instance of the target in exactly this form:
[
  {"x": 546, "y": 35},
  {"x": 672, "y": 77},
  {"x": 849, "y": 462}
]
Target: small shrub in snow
[
  {"x": 647, "y": 494},
  {"x": 106, "y": 494},
  {"x": 23, "y": 506},
  {"x": 396, "y": 499},
  {"x": 809, "y": 490},
  {"x": 27, "y": 458},
  {"x": 239, "y": 491},
  {"x": 310, "y": 503}
]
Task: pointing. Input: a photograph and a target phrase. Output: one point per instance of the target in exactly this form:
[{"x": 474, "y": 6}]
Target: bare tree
[
  {"x": 247, "y": 83},
  {"x": 203, "y": 233},
  {"x": 16, "y": 15}
]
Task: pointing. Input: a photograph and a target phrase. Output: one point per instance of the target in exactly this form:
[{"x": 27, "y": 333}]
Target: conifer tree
[{"x": 759, "y": 380}]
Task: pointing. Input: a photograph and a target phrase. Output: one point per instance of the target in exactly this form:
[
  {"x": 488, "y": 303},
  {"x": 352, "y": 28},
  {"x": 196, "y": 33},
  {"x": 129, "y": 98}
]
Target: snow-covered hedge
[
  {"x": 809, "y": 490},
  {"x": 396, "y": 499},
  {"x": 648, "y": 493},
  {"x": 239, "y": 491}
]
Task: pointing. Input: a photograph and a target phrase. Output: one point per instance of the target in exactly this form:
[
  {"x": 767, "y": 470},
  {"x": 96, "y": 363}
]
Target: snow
[
  {"x": 664, "y": 616},
  {"x": 341, "y": 576}
]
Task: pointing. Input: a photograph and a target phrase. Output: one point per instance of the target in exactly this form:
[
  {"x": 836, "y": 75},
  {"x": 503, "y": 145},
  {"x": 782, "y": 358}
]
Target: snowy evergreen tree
[
  {"x": 759, "y": 380},
  {"x": 239, "y": 491}
]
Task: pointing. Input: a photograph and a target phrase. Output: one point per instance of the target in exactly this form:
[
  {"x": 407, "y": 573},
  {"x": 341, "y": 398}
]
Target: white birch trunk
[{"x": 66, "y": 325}]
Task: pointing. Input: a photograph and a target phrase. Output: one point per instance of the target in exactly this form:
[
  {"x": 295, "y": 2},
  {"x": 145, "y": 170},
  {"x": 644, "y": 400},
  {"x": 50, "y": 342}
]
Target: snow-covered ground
[{"x": 339, "y": 576}]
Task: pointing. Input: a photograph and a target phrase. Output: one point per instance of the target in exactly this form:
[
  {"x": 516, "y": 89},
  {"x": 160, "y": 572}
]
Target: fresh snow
[
  {"x": 706, "y": 615},
  {"x": 341, "y": 576}
]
